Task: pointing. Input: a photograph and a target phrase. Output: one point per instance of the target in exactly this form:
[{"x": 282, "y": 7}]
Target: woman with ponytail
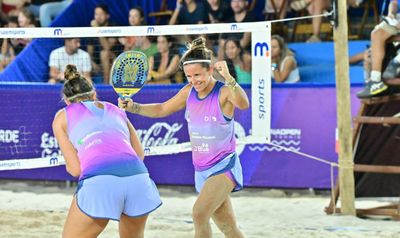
[{"x": 101, "y": 148}]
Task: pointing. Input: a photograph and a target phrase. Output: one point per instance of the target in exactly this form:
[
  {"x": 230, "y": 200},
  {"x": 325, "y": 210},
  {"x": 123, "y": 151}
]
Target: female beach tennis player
[
  {"x": 100, "y": 146},
  {"x": 210, "y": 106}
]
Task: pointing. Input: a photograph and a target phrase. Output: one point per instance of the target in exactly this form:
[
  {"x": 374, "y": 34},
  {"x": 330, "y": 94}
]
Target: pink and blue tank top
[
  {"x": 211, "y": 133},
  {"x": 102, "y": 140}
]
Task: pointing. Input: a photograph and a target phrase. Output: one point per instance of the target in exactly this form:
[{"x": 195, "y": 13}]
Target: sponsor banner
[
  {"x": 115, "y": 31},
  {"x": 300, "y": 121},
  {"x": 261, "y": 82}
]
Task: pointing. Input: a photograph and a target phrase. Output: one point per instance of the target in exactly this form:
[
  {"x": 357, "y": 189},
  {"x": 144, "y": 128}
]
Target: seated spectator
[
  {"x": 144, "y": 44},
  {"x": 189, "y": 12},
  {"x": 240, "y": 14},
  {"x": 379, "y": 37},
  {"x": 101, "y": 49},
  {"x": 284, "y": 65},
  {"x": 272, "y": 7},
  {"x": 219, "y": 11},
  {"x": 25, "y": 19},
  {"x": 314, "y": 7},
  {"x": 365, "y": 58},
  {"x": 69, "y": 54},
  {"x": 136, "y": 18},
  {"x": 46, "y": 10},
  {"x": 12, "y": 7},
  {"x": 7, "y": 49},
  {"x": 163, "y": 66},
  {"x": 355, "y": 3},
  {"x": 240, "y": 61}
]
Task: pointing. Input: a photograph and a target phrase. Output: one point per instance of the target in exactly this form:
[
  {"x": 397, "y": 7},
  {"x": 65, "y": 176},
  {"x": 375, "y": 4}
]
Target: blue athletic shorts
[
  {"x": 230, "y": 165},
  {"x": 108, "y": 196}
]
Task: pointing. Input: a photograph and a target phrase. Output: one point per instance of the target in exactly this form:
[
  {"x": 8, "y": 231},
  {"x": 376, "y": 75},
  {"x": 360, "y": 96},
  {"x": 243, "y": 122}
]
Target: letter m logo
[
  {"x": 146, "y": 150},
  {"x": 150, "y": 30},
  {"x": 260, "y": 47},
  {"x": 53, "y": 161},
  {"x": 57, "y": 32},
  {"x": 234, "y": 27}
]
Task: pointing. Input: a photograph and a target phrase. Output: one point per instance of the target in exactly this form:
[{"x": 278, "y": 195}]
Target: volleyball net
[{"x": 93, "y": 50}]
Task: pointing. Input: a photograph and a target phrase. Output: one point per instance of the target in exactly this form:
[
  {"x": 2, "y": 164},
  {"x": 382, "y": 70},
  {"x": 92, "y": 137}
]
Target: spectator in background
[
  {"x": 7, "y": 49},
  {"x": 136, "y": 18},
  {"x": 389, "y": 27},
  {"x": 365, "y": 58},
  {"x": 101, "y": 49},
  {"x": 69, "y": 54},
  {"x": 240, "y": 14},
  {"x": 189, "y": 12},
  {"x": 25, "y": 19},
  {"x": 144, "y": 44},
  {"x": 163, "y": 66},
  {"x": 49, "y": 11},
  {"x": 273, "y": 6},
  {"x": 34, "y": 5},
  {"x": 314, "y": 7},
  {"x": 219, "y": 11},
  {"x": 12, "y": 7},
  {"x": 284, "y": 65},
  {"x": 355, "y": 3},
  {"x": 239, "y": 61}
]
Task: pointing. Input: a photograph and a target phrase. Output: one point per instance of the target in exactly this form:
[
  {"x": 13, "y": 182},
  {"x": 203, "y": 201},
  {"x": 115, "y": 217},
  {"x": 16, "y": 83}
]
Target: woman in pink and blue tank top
[
  {"x": 210, "y": 105},
  {"x": 101, "y": 148}
]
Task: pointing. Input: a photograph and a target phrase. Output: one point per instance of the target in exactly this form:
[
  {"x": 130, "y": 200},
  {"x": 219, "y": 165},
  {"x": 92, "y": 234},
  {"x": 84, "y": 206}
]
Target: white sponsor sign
[{"x": 261, "y": 82}]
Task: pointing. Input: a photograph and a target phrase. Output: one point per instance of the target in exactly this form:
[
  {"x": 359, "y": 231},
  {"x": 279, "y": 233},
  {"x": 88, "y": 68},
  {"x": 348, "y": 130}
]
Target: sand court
[{"x": 38, "y": 211}]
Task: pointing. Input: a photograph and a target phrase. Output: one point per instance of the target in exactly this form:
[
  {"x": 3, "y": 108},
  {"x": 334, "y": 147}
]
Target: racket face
[{"x": 129, "y": 73}]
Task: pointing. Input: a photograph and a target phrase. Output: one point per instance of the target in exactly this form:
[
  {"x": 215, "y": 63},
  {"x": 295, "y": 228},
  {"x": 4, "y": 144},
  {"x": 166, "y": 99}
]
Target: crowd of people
[{"x": 165, "y": 51}]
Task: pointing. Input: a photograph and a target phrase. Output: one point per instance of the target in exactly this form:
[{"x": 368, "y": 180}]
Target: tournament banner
[{"x": 302, "y": 119}]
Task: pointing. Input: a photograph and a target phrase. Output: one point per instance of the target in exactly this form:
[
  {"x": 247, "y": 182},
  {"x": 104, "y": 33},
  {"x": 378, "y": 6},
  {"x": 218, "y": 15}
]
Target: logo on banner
[
  {"x": 286, "y": 138},
  {"x": 50, "y": 148},
  {"x": 197, "y": 28},
  {"x": 109, "y": 31},
  {"x": 9, "y": 136},
  {"x": 150, "y": 30},
  {"x": 57, "y": 32},
  {"x": 234, "y": 27},
  {"x": 262, "y": 48},
  {"x": 159, "y": 134},
  {"x": 12, "y": 32}
]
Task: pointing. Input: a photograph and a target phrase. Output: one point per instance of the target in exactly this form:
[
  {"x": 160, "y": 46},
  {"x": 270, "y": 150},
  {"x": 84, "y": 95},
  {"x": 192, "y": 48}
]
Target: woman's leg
[
  {"x": 78, "y": 224},
  {"x": 132, "y": 227},
  {"x": 224, "y": 218},
  {"x": 214, "y": 193},
  {"x": 49, "y": 11}
]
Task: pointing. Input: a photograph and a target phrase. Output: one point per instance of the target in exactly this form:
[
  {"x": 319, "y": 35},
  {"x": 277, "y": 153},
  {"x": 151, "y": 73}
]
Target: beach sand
[{"x": 38, "y": 210}]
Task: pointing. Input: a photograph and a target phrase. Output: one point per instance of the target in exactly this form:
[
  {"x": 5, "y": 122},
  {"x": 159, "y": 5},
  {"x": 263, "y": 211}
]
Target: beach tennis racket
[{"x": 129, "y": 73}]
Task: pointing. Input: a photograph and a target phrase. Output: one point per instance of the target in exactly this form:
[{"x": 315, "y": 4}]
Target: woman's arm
[
  {"x": 69, "y": 152},
  {"x": 171, "y": 69},
  {"x": 233, "y": 93},
  {"x": 281, "y": 75},
  {"x": 151, "y": 67},
  {"x": 135, "y": 142},
  {"x": 156, "y": 110},
  {"x": 175, "y": 15}
]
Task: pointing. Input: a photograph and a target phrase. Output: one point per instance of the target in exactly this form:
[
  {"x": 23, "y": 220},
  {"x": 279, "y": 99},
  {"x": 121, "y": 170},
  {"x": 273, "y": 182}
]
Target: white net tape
[{"x": 14, "y": 164}]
